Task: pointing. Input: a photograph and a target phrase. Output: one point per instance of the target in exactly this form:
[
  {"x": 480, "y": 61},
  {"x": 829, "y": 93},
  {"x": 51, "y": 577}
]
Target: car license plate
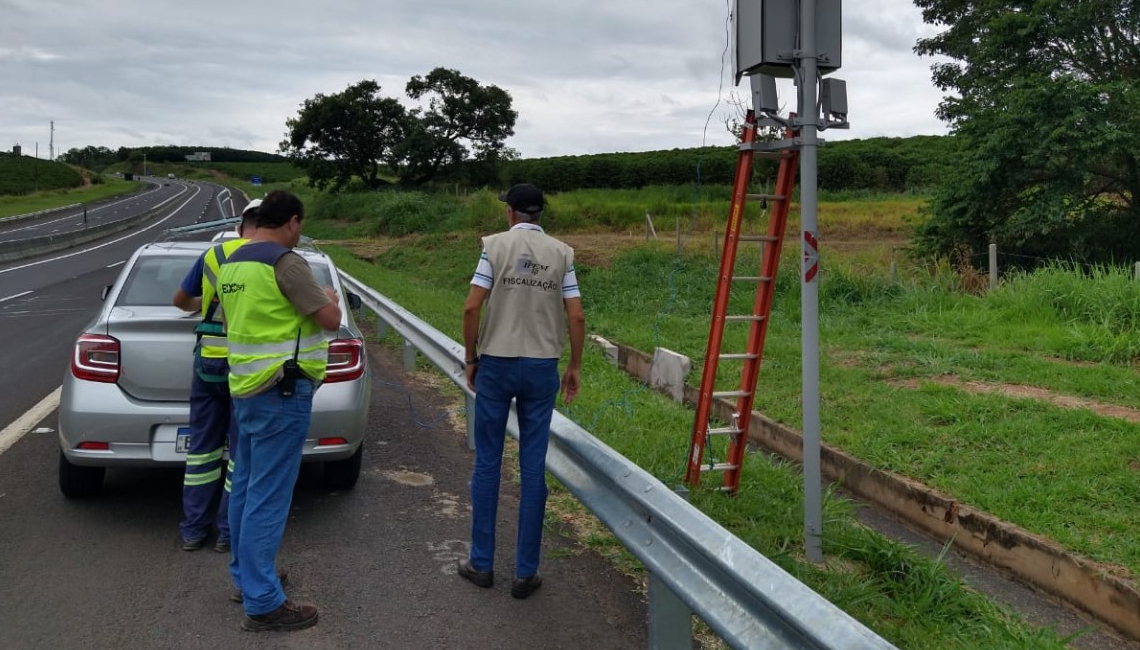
[{"x": 182, "y": 441}]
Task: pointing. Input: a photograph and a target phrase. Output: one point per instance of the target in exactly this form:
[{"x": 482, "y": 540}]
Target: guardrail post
[
  {"x": 381, "y": 327},
  {"x": 409, "y": 355},
  {"x": 670, "y": 619},
  {"x": 469, "y": 402}
]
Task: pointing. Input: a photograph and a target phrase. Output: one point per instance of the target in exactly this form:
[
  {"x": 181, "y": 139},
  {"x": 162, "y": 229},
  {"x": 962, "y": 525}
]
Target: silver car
[{"x": 125, "y": 397}]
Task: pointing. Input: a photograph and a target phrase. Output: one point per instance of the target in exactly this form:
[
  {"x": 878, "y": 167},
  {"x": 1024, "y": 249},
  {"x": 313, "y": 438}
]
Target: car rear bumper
[{"x": 141, "y": 433}]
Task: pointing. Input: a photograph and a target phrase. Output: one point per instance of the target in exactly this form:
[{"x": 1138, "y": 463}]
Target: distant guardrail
[
  {"x": 695, "y": 564},
  {"x": 16, "y": 218},
  {"x": 24, "y": 248}
]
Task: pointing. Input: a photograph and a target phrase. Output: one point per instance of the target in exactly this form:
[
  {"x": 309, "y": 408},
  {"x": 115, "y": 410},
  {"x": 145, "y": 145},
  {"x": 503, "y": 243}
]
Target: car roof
[{"x": 307, "y": 248}]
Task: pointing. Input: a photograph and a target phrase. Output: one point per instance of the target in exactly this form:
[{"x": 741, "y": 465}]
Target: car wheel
[
  {"x": 342, "y": 474},
  {"x": 76, "y": 481}
]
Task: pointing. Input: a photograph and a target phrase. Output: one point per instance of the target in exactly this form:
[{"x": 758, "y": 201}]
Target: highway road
[{"x": 108, "y": 573}]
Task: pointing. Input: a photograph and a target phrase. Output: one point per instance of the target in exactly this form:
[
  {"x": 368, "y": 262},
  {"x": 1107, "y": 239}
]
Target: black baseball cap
[{"x": 524, "y": 197}]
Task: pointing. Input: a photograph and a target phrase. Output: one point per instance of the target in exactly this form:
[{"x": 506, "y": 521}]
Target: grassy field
[
  {"x": 24, "y": 175},
  {"x": 111, "y": 186},
  {"x": 970, "y": 393}
]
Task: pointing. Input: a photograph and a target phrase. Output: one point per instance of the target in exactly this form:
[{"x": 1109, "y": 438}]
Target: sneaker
[
  {"x": 222, "y": 545},
  {"x": 282, "y": 577},
  {"x": 484, "y": 579},
  {"x": 193, "y": 544},
  {"x": 289, "y": 616},
  {"x": 523, "y": 587}
]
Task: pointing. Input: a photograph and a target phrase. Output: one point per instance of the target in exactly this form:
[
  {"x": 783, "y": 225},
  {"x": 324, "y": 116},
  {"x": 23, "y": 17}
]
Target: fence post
[
  {"x": 894, "y": 267},
  {"x": 993, "y": 267},
  {"x": 716, "y": 243},
  {"x": 1136, "y": 272},
  {"x": 649, "y": 229},
  {"x": 678, "y": 235},
  {"x": 670, "y": 619}
]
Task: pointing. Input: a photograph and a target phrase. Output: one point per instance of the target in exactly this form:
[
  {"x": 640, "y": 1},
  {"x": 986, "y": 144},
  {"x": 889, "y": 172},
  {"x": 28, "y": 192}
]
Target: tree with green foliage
[
  {"x": 1047, "y": 112},
  {"x": 91, "y": 157},
  {"x": 358, "y": 132}
]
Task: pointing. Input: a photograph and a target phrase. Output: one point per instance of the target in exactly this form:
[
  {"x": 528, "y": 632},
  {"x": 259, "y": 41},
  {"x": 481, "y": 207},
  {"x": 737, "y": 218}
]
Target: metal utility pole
[
  {"x": 51, "y": 142},
  {"x": 809, "y": 285}
]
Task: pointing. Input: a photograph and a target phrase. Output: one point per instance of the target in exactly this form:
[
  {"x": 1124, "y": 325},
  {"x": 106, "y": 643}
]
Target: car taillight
[
  {"x": 96, "y": 358},
  {"x": 346, "y": 360}
]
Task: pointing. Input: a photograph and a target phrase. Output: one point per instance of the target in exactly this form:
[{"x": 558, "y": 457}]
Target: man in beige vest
[{"x": 526, "y": 280}]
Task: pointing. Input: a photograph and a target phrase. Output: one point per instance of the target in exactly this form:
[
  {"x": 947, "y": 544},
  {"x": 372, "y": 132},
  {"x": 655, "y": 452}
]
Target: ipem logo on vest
[
  {"x": 526, "y": 265},
  {"x": 232, "y": 287}
]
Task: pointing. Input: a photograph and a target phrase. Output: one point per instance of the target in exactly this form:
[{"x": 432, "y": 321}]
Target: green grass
[
  {"x": 23, "y": 175},
  {"x": 110, "y": 187},
  {"x": 913, "y": 602}
]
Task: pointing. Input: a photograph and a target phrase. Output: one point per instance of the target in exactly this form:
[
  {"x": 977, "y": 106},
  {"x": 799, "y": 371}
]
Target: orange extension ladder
[{"x": 737, "y": 429}]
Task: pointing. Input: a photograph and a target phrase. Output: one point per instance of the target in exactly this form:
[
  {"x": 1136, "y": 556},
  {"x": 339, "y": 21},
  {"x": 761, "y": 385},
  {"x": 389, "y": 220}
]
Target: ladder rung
[
  {"x": 725, "y": 431},
  {"x": 744, "y": 356},
  {"x": 764, "y": 155},
  {"x": 764, "y": 197},
  {"x": 717, "y": 467},
  {"x": 751, "y": 278},
  {"x": 730, "y": 393},
  {"x": 744, "y": 318},
  {"x": 766, "y": 238}
]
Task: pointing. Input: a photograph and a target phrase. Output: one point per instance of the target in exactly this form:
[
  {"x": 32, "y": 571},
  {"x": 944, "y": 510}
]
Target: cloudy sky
[{"x": 589, "y": 77}]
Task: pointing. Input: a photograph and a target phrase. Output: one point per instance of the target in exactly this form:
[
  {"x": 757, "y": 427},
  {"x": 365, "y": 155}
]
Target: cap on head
[
  {"x": 525, "y": 198},
  {"x": 251, "y": 206}
]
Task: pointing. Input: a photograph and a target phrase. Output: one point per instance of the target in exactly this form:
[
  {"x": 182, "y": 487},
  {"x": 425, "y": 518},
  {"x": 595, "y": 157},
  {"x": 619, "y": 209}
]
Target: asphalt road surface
[{"x": 108, "y": 573}]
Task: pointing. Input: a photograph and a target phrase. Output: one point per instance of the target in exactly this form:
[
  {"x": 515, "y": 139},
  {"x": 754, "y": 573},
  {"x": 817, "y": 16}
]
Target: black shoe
[
  {"x": 282, "y": 576},
  {"x": 193, "y": 544},
  {"x": 523, "y": 587},
  {"x": 484, "y": 579},
  {"x": 289, "y": 616},
  {"x": 222, "y": 545}
]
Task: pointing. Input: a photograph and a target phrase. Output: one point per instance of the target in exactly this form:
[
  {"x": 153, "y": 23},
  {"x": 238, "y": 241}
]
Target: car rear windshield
[{"x": 154, "y": 280}]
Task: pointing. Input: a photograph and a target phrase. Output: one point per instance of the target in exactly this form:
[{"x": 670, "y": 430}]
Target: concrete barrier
[{"x": 1081, "y": 583}]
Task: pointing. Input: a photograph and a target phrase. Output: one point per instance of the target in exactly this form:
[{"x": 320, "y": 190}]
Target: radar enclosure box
[{"x": 765, "y": 33}]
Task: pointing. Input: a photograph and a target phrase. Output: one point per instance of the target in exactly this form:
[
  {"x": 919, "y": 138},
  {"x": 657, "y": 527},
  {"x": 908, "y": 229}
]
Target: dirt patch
[{"x": 1030, "y": 392}]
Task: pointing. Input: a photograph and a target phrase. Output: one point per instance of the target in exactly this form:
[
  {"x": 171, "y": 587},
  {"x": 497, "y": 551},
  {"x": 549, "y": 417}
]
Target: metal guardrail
[
  {"x": 38, "y": 213},
  {"x": 695, "y": 565}
]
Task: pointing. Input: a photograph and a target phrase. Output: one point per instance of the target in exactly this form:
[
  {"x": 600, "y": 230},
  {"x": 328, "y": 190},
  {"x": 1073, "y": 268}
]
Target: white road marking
[
  {"x": 105, "y": 244},
  {"x": 23, "y": 424},
  {"x": 15, "y": 295},
  {"x": 120, "y": 263}
]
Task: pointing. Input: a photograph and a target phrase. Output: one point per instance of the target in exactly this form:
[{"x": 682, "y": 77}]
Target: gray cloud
[{"x": 615, "y": 76}]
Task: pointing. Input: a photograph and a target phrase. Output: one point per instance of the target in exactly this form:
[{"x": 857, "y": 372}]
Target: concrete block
[
  {"x": 608, "y": 349},
  {"x": 668, "y": 372}
]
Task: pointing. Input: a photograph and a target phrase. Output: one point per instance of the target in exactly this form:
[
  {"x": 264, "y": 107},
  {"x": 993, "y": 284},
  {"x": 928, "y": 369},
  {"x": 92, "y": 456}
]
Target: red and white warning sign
[{"x": 811, "y": 256}]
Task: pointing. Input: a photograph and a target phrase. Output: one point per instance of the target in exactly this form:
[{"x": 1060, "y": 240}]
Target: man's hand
[
  {"x": 331, "y": 293},
  {"x": 471, "y": 369},
  {"x": 570, "y": 381}
]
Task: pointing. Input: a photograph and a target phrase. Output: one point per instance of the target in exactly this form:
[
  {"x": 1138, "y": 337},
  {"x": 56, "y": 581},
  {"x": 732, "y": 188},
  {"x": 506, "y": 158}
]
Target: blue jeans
[
  {"x": 267, "y": 458},
  {"x": 212, "y": 426},
  {"x": 533, "y": 383}
]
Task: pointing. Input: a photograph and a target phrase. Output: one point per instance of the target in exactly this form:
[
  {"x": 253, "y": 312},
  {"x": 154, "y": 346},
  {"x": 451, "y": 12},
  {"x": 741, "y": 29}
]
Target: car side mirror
[
  {"x": 353, "y": 300},
  {"x": 105, "y": 292}
]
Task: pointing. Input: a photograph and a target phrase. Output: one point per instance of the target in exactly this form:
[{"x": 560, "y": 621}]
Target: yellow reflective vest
[
  {"x": 264, "y": 329},
  {"x": 213, "y": 337}
]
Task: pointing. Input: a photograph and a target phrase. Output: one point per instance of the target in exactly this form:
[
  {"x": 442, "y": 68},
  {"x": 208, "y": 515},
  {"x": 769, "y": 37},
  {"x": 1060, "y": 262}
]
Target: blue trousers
[
  {"x": 206, "y": 482},
  {"x": 267, "y": 458},
  {"x": 533, "y": 383}
]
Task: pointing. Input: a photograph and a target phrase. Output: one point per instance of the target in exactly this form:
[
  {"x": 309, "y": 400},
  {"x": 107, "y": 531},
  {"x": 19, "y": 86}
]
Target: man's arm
[
  {"x": 296, "y": 281},
  {"x": 189, "y": 294},
  {"x": 576, "y": 321},
  {"x": 472, "y": 310}
]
